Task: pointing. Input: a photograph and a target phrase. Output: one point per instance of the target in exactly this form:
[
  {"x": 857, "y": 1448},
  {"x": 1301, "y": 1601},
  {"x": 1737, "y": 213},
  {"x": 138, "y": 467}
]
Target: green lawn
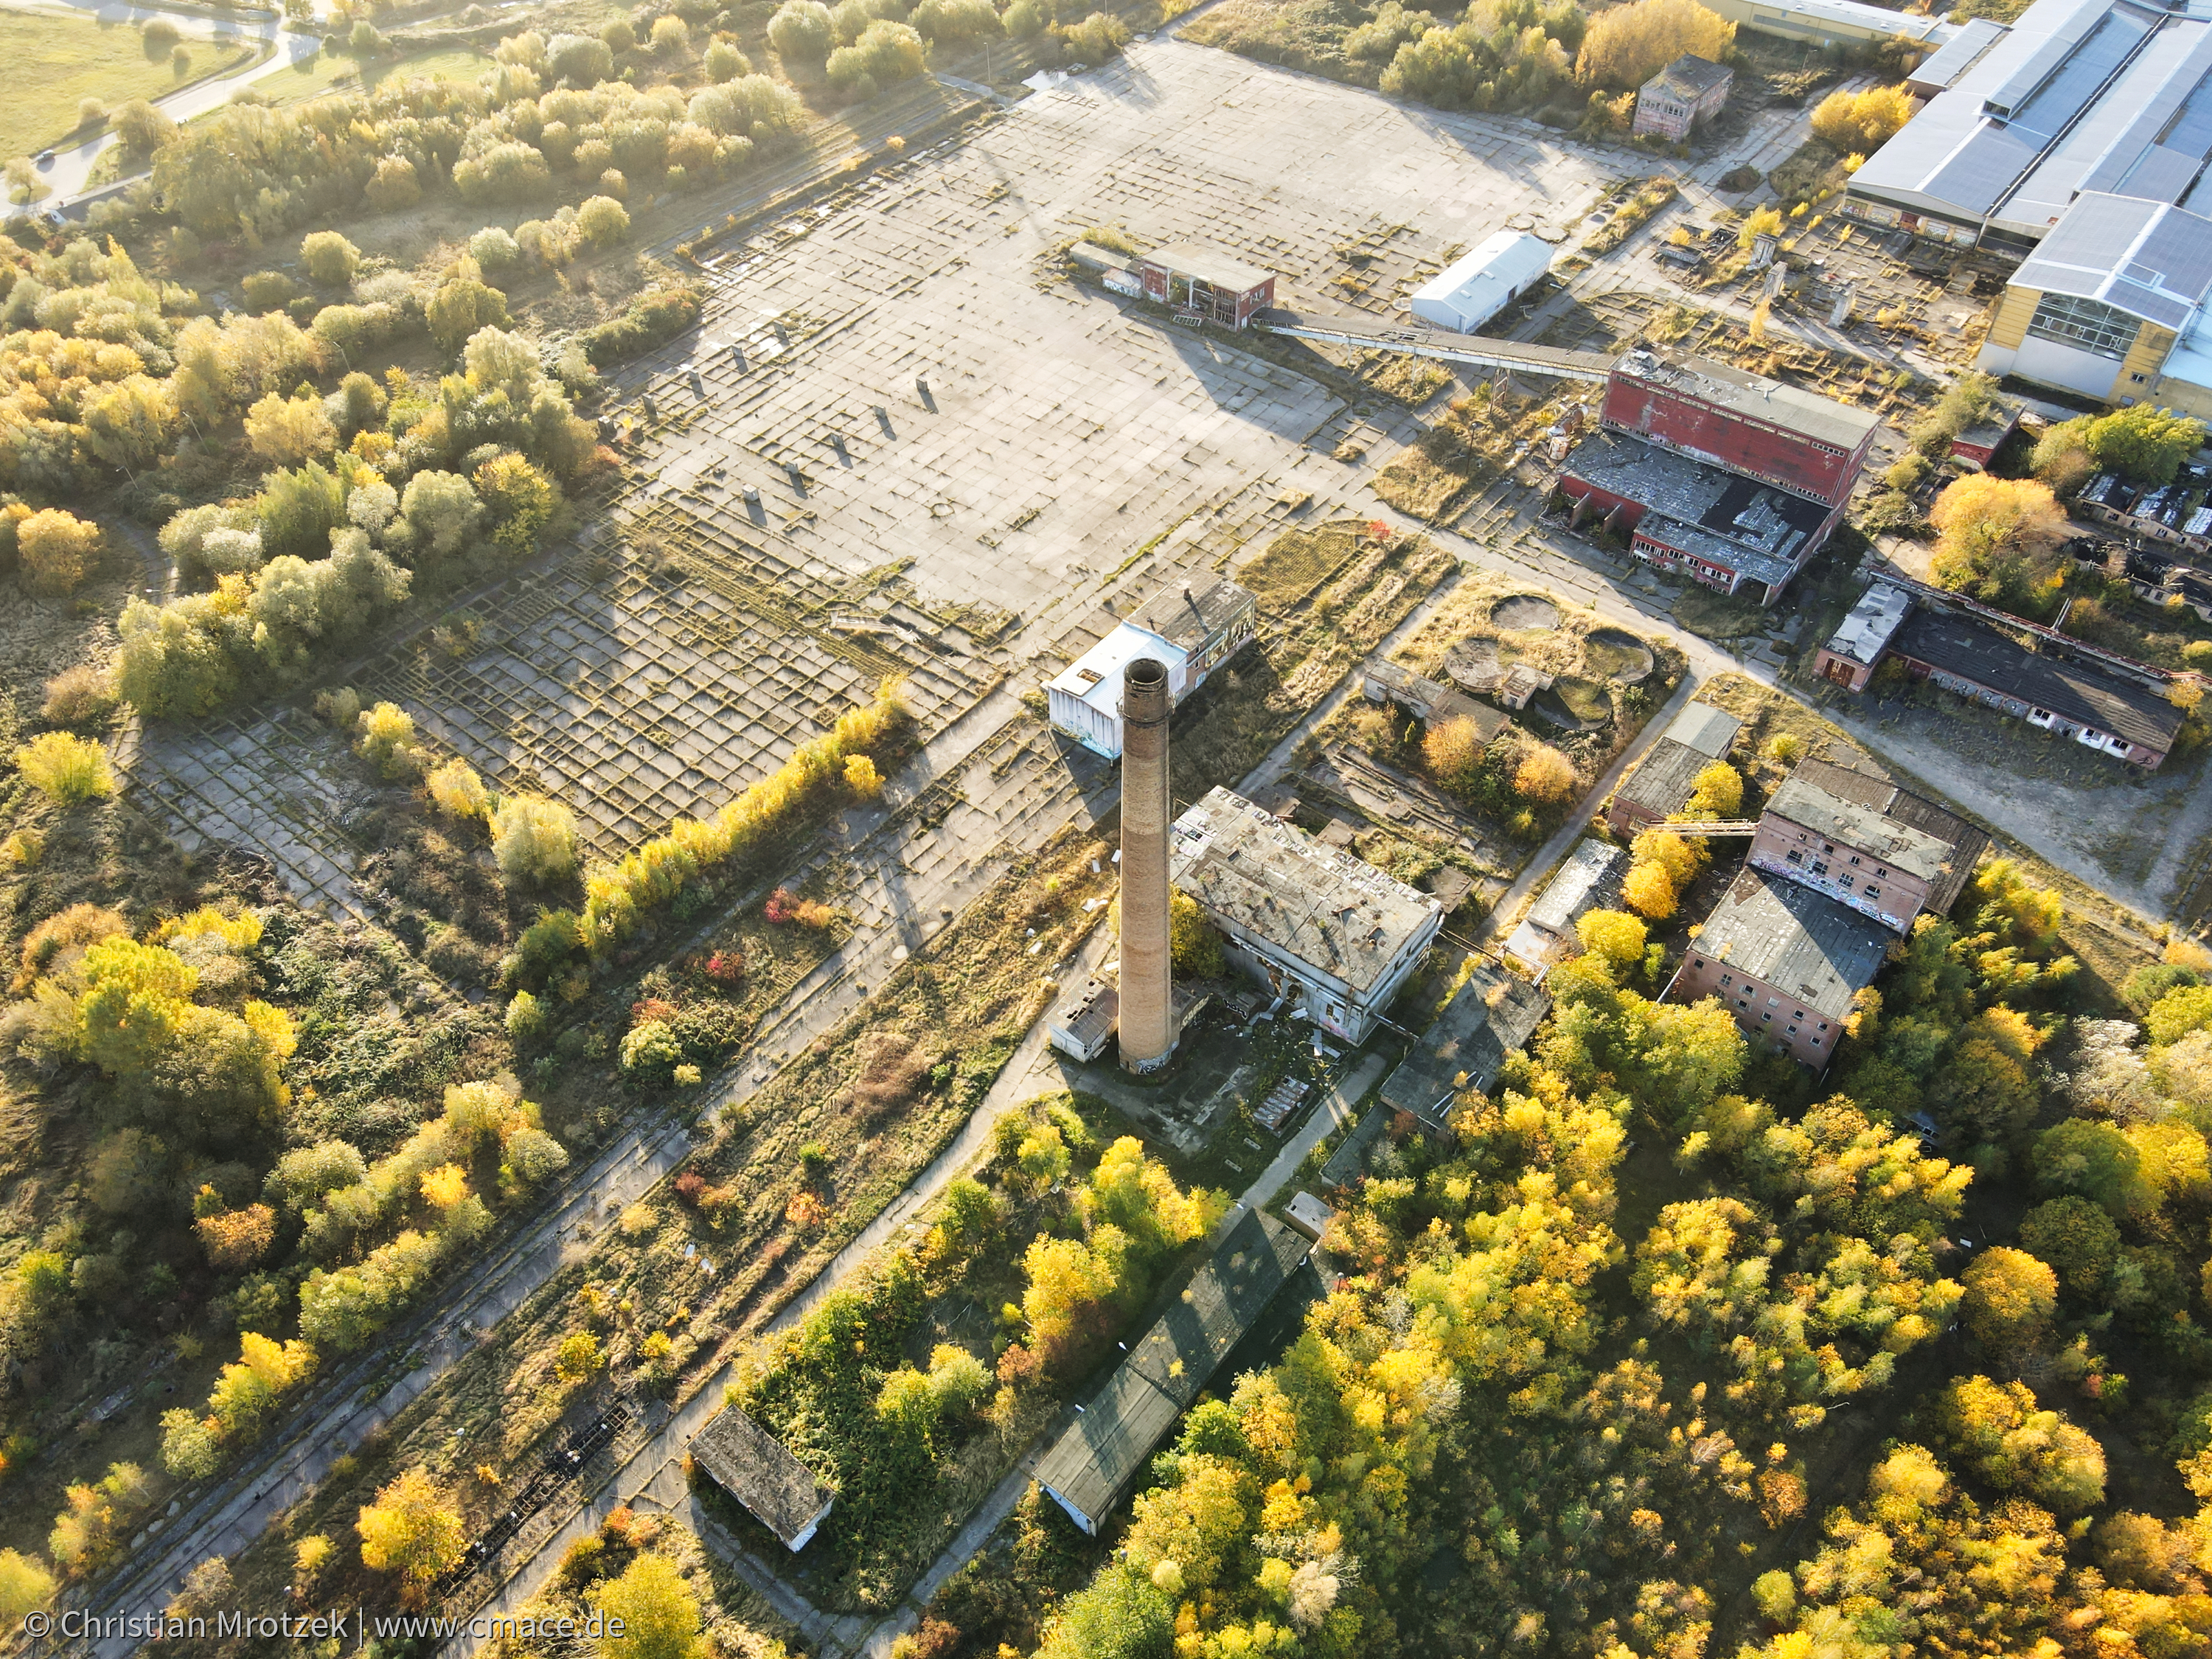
[
  {"x": 55, "y": 60},
  {"x": 326, "y": 71}
]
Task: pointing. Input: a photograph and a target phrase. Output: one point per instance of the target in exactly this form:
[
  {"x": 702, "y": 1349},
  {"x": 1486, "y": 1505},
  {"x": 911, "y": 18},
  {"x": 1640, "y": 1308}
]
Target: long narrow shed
[{"x": 1093, "y": 1462}]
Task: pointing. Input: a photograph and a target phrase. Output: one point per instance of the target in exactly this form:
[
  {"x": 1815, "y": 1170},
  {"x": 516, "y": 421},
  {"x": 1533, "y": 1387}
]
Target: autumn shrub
[
  {"x": 1625, "y": 46},
  {"x": 76, "y": 696},
  {"x": 55, "y": 551},
  {"x": 66, "y": 769},
  {"x": 1546, "y": 776},
  {"x": 534, "y": 840},
  {"x": 1861, "y": 122}
]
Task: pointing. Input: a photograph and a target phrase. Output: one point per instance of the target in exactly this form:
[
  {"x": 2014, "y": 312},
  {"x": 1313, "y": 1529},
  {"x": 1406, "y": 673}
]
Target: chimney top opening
[{"x": 1146, "y": 672}]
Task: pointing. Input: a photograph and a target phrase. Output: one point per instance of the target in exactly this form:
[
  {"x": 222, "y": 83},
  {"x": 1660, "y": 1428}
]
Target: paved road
[{"x": 65, "y": 177}]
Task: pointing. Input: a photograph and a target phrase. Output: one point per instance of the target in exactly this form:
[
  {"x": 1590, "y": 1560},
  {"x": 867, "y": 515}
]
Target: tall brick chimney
[{"x": 1147, "y": 1025}]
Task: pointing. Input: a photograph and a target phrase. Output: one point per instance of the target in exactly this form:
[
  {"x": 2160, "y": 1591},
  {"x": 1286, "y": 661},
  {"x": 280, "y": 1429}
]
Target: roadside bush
[
  {"x": 885, "y": 53},
  {"x": 55, "y": 551},
  {"x": 1096, "y": 39}
]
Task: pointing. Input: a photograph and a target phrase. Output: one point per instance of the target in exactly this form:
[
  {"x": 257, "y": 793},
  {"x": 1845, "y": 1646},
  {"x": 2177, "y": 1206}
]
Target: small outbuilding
[
  {"x": 1480, "y": 283},
  {"x": 1587, "y": 879},
  {"x": 1664, "y": 780},
  {"x": 1192, "y": 627},
  {"x": 1681, "y": 98},
  {"x": 750, "y": 1464},
  {"x": 1489, "y": 1017},
  {"x": 1206, "y": 283}
]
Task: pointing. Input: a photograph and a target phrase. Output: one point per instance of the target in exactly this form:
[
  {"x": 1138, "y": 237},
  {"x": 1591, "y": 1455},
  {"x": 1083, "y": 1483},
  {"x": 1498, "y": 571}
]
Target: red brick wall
[{"x": 1684, "y": 423}]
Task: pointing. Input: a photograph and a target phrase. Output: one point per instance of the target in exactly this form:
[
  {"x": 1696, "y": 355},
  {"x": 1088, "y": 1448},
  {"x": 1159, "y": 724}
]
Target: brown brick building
[
  {"x": 1865, "y": 843},
  {"x": 1786, "y": 962}
]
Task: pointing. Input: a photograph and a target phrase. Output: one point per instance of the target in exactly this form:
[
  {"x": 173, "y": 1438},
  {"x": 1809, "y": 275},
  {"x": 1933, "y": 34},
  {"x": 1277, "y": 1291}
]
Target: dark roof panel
[
  {"x": 1487, "y": 1018},
  {"x": 2081, "y": 695},
  {"x": 1804, "y": 944}
]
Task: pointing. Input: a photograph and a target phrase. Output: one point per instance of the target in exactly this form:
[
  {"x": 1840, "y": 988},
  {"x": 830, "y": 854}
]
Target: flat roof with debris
[
  {"x": 1094, "y": 1461},
  {"x": 1587, "y": 879},
  {"x": 755, "y": 1468},
  {"x": 2080, "y": 694},
  {"x": 1966, "y": 842},
  {"x": 1865, "y": 634},
  {"x": 1187, "y": 614},
  {"x": 1795, "y": 940},
  {"x": 1701, "y": 509},
  {"x": 1208, "y": 264},
  {"x": 1752, "y": 396},
  {"x": 1337, "y": 913},
  {"x": 1486, "y": 1019},
  {"x": 1710, "y": 731},
  {"x": 1665, "y": 778},
  {"x": 1864, "y": 828}
]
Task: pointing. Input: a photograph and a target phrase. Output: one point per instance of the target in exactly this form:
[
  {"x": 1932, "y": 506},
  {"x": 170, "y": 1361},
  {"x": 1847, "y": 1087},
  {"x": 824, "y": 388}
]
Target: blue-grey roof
[
  {"x": 1802, "y": 943},
  {"x": 1962, "y": 51},
  {"x": 2149, "y": 260},
  {"x": 2105, "y": 95}
]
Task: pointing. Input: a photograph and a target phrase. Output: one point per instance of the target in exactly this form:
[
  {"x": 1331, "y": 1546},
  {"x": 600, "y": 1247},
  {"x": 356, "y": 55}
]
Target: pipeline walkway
[{"x": 1475, "y": 349}]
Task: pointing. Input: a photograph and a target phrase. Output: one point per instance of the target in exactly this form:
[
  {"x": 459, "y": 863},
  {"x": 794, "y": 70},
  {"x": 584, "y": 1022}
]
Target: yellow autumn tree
[
  {"x": 1859, "y": 122},
  {"x": 412, "y": 1531},
  {"x": 1996, "y": 537},
  {"x": 1628, "y": 44}
]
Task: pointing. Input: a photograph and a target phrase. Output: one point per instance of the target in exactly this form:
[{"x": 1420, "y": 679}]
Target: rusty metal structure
[{"x": 1148, "y": 990}]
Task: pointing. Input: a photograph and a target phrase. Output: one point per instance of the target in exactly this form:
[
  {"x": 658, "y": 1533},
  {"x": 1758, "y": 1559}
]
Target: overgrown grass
[{"x": 55, "y": 60}]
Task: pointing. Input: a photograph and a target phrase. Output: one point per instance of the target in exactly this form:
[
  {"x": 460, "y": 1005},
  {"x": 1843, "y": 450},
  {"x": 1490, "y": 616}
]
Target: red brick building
[
  {"x": 1795, "y": 440},
  {"x": 1205, "y": 283},
  {"x": 1720, "y": 475}
]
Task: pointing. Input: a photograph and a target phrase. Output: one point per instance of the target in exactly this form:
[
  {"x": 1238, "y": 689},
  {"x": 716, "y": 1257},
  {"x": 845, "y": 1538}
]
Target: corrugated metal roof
[
  {"x": 1468, "y": 292},
  {"x": 1094, "y": 1461},
  {"x": 1865, "y": 634},
  {"x": 1710, "y": 731},
  {"x": 1957, "y": 55},
  {"x": 2147, "y": 258}
]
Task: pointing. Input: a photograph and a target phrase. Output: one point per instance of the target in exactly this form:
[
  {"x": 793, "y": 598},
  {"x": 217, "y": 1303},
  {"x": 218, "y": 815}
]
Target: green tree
[
  {"x": 2143, "y": 443},
  {"x": 1121, "y": 1615},
  {"x": 464, "y": 304},
  {"x": 1193, "y": 944},
  {"x": 2076, "y": 1237}
]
